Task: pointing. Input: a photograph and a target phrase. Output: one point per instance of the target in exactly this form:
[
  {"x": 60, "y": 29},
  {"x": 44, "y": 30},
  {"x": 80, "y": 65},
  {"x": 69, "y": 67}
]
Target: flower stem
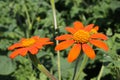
[
  {"x": 28, "y": 22},
  {"x": 100, "y": 73},
  {"x": 33, "y": 58},
  {"x": 75, "y": 68},
  {"x": 54, "y": 13},
  {"x": 85, "y": 59},
  {"x": 28, "y": 18},
  {"x": 40, "y": 67},
  {"x": 55, "y": 27}
]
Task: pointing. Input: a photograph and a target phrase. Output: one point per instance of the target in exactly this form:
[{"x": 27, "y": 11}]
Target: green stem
[
  {"x": 85, "y": 59},
  {"x": 28, "y": 18},
  {"x": 54, "y": 13},
  {"x": 28, "y": 21},
  {"x": 55, "y": 27},
  {"x": 40, "y": 67},
  {"x": 33, "y": 58},
  {"x": 100, "y": 73},
  {"x": 58, "y": 62},
  {"x": 75, "y": 68}
]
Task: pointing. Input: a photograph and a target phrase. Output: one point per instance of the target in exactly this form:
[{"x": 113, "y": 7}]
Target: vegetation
[{"x": 27, "y": 18}]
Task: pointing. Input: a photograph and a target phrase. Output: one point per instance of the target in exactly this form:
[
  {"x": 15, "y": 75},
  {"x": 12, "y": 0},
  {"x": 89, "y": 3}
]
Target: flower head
[
  {"x": 80, "y": 37},
  {"x": 31, "y": 45}
]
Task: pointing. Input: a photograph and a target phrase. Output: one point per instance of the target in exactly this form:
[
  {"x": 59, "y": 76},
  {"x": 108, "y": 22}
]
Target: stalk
[
  {"x": 33, "y": 58},
  {"x": 100, "y": 73},
  {"x": 40, "y": 67},
  {"x": 85, "y": 59},
  {"x": 56, "y": 27}
]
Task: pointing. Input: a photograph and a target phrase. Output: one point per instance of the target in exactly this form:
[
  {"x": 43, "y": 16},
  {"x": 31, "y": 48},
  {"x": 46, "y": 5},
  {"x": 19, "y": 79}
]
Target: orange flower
[
  {"x": 80, "y": 38},
  {"x": 31, "y": 44}
]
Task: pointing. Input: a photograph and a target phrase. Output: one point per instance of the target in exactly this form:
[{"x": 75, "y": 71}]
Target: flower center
[
  {"x": 28, "y": 42},
  {"x": 81, "y": 36}
]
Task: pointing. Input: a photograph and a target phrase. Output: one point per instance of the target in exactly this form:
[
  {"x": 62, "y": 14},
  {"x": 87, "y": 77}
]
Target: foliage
[{"x": 14, "y": 21}]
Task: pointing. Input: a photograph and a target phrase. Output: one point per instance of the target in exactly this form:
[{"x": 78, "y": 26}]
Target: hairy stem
[
  {"x": 40, "y": 67},
  {"x": 85, "y": 59},
  {"x": 100, "y": 73},
  {"x": 33, "y": 58},
  {"x": 55, "y": 27}
]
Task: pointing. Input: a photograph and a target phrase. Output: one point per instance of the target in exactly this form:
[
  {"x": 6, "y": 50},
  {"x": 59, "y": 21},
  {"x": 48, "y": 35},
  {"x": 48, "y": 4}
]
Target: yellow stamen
[
  {"x": 93, "y": 31},
  {"x": 28, "y": 42},
  {"x": 81, "y": 36}
]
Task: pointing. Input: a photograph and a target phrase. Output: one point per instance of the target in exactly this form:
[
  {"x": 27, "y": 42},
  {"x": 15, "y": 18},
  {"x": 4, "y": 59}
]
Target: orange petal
[
  {"x": 44, "y": 39},
  {"x": 36, "y": 37},
  {"x": 64, "y": 45},
  {"x": 22, "y": 39},
  {"x": 64, "y": 37},
  {"x": 99, "y": 44},
  {"x": 89, "y": 27},
  {"x": 46, "y": 43},
  {"x": 88, "y": 51},
  {"x": 74, "y": 52},
  {"x": 96, "y": 28},
  {"x": 71, "y": 30},
  {"x": 23, "y": 51},
  {"x": 16, "y": 45},
  {"x": 33, "y": 50},
  {"x": 38, "y": 45},
  {"x": 99, "y": 36},
  {"x": 78, "y": 25},
  {"x": 15, "y": 53}
]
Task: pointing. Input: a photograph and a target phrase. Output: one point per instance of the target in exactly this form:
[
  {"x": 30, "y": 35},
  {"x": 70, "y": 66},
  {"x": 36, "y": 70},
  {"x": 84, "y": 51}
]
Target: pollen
[
  {"x": 28, "y": 42},
  {"x": 81, "y": 36}
]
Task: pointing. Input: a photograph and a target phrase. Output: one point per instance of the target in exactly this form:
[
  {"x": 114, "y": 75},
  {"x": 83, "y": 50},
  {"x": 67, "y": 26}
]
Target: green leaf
[
  {"x": 43, "y": 76},
  {"x": 82, "y": 76},
  {"x": 6, "y": 66}
]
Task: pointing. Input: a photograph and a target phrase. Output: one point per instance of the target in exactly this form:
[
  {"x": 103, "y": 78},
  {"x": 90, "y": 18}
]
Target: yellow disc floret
[
  {"x": 93, "y": 31},
  {"x": 28, "y": 42},
  {"x": 81, "y": 36}
]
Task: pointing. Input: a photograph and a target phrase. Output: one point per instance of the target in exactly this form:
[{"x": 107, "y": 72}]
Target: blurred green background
[{"x": 15, "y": 16}]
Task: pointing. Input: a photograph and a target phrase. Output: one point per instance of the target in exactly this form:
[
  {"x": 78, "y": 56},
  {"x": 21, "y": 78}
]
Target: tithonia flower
[
  {"x": 31, "y": 45},
  {"x": 81, "y": 38}
]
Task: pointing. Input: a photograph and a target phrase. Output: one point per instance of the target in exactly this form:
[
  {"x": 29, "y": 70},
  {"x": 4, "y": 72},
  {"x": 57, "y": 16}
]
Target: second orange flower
[{"x": 81, "y": 37}]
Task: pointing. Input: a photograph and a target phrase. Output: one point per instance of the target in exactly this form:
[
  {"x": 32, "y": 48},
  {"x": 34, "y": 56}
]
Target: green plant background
[{"x": 14, "y": 22}]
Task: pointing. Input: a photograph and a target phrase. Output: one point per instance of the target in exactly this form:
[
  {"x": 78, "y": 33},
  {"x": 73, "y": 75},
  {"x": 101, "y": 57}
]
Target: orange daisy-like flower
[
  {"x": 80, "y": 38},
  {"x": 28, "y": 45}
]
